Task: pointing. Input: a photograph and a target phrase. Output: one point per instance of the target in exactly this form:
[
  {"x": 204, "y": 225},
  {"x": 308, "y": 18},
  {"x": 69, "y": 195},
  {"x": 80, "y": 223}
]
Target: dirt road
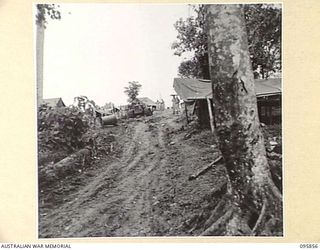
[{"x": 143, "y": 190}]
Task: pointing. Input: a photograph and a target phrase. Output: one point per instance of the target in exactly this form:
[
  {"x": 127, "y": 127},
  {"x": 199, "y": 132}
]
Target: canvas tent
[
  {"x": 268, "y": 94},
  {"x": 269, "y": 87},
  {"x": 193, "y": 89}
]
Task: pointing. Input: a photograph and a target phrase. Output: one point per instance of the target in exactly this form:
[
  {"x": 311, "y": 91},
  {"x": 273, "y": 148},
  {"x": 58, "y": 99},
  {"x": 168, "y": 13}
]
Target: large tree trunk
[{"x": 255, "y": 202}]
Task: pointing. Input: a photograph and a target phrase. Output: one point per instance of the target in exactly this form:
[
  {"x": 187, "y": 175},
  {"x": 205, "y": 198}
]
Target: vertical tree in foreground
[
  {"x": 254, "y": 203},
  {"x": 43, "y": 12}
]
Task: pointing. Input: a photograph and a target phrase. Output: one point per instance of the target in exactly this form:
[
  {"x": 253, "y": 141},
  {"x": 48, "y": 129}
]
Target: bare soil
[{"x": 139, "y": 188}]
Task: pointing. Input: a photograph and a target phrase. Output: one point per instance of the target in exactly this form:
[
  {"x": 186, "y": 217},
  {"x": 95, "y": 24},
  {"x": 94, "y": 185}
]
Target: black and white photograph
[{"x": 159, "y": 120}]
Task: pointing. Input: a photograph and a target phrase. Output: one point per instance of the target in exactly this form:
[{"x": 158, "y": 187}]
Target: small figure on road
[
  {"x": 175, "y": 104},
  {"x": 162, "y": 106}
]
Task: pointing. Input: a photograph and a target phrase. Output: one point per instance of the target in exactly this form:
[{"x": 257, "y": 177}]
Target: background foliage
[
  {"x": 132, "y": 91},
  {"x": 263, "y": 23},
  {"x": 47, "y": 10}
]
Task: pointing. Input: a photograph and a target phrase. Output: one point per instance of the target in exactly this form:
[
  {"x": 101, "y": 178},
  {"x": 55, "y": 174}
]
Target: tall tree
[
  {"x": 132, "y": 91},
  {"x": 255, "y": 204},
  {"x": 263, "y": 23},
  {"x": 192, "y": 38},
  {"x": 44, "y": 11}
]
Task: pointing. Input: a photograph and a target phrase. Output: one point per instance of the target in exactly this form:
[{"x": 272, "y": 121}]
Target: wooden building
[
  {"x": 269, "y": 100},
  {"x": 53, "y": 102},
  {"x": 148, "y": 102}
]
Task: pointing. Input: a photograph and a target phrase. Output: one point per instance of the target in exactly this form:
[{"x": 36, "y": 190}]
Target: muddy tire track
[{"x": 118, "y": 200}]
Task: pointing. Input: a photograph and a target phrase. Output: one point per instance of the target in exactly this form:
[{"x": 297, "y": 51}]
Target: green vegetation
[
  {"x": 263, "y": 23},
  {"x": 61, "y": 128},
  {"x": 133, "y": 91}
]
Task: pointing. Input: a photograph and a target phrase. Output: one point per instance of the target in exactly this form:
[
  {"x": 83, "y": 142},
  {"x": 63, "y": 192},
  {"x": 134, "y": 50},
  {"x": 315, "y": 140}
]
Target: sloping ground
[{"x": 141, "y": 188}]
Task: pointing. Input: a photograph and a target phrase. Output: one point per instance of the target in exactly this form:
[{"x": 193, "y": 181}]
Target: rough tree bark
[{"x": 255, "y": 204}]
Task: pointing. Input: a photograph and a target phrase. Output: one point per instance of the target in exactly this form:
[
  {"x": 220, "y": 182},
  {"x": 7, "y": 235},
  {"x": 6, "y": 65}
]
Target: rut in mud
[{"x": 144, "y": 191}]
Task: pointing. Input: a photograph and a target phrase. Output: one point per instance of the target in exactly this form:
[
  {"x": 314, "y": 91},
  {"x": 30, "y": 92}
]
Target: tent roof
[
  {"x": 268, "y": 87},
  {"x": 191, "y": 89},
  {"x": 52, "y": 102},
  {"x": 147, "y": 101},
  {"x": 188, "y": 88}
]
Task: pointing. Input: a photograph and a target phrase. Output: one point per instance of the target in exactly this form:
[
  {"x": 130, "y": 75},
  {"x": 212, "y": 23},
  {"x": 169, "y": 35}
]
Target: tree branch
[{"x": 205, "y": 169}]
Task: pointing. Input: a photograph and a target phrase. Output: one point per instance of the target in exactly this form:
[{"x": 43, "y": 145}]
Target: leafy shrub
[{"x": 61, "y": 128}]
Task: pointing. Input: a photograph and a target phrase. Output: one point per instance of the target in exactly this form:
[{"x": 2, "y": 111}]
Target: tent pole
[
  {"x": 210, "y": 115},
  {"x": 185, "y": 109}
]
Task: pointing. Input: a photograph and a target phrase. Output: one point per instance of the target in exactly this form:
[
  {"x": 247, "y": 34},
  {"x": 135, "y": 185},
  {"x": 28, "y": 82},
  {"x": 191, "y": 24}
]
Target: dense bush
[{"x": 61, "y": 128}]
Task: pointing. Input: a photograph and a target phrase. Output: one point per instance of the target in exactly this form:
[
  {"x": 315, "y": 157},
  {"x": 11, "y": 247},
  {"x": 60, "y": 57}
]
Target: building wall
[{"x": 269, "y": 110}]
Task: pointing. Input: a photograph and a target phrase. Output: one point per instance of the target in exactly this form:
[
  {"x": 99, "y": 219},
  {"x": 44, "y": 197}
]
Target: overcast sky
[{"x": 98, "y": 48}]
